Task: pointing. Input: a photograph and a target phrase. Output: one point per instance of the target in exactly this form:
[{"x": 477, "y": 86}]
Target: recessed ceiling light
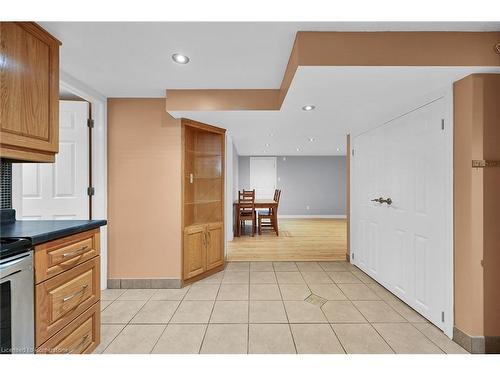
[
  {"x": 308, "y": 107},
  {"x": 180, "y": 59},
  {"x": 338, "y": 149},
  {"x": 298, "y": 149},
  {"x": 267, "y": 145},
  {"x": 271, "y": 134},
  {"x": 311, "y": 139}
]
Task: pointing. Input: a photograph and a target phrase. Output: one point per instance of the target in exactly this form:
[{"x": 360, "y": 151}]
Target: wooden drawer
[
  {"x": 55, "y": 257},
  {"x": 80, "y": 336},
  {"x": 62, "y": 298}
]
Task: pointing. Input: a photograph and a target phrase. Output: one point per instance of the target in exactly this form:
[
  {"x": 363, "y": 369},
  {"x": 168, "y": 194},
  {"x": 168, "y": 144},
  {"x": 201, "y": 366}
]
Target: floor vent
[{"x": 315, "y": 300}]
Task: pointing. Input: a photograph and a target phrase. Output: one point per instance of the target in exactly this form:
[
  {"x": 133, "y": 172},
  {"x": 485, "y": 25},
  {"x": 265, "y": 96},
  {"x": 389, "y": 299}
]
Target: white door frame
[
  {"x": 99, "y": 158},
  {"x": 447, "y": 94}
]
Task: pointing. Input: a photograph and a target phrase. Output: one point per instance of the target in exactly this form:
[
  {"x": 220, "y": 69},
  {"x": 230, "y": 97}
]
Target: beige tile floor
[{"x": 260, "y": 307}]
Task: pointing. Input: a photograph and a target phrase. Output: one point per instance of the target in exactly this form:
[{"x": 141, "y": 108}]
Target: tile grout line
[
  {"x": 286, "y": 312},
  {"x": 248, "y": 315},
  {"x": 124, "y": 324},
  {"x": 364, "y": 316},
  {"x": 321, "y": 309},
  {"x": 114, "y": 338},
  {"x": 350, "y": 300},
  {"x": 128, "y": 323},
  {"x": 210, "y": 316},
  {"x": 330, "y": 325},
  {"x": 427, "y": 338},
  {"x": 166, "y": 325},
  {"x": 367, "y": 284},
  {"x": 248, "y": 326},
  {"x": 383, "y": 338},
  {"x": 371, "y": 325},
  {"x": 118, "y": 334},
  {"x": 435, "y": 343}
]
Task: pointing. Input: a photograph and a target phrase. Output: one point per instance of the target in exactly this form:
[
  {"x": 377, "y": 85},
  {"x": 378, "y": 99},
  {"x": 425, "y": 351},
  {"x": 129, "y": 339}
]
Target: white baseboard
[{"x": 312, "y": 216}]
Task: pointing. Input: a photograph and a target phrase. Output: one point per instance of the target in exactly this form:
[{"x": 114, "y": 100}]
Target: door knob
[{"x": 382, "y": 200}]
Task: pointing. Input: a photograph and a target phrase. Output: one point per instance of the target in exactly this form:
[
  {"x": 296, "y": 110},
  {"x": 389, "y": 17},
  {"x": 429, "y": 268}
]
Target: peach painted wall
[
  {"x": 468, "y": 248},
  {"x": 491, "y": 212},
  {"x": 477, "y": 205},
  {"x": 144, "y": 190}
]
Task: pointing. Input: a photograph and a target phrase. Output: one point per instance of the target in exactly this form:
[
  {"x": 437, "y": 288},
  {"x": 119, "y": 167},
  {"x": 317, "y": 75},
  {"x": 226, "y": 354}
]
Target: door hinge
[
  {"x": 442, "y": 316},
  {"x": 352, "y": 255},
  {"x": 352, "y": 152},
  {"x": 90, "y": 191},
  {"x": 442, "y": 124},
  {"x": 90, "y": 123}
]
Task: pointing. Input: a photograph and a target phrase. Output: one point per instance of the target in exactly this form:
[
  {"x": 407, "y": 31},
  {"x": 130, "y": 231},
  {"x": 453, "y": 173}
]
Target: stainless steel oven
[{"x": 16, "y": 300}]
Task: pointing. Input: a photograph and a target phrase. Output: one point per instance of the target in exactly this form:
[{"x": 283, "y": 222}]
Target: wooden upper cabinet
[{"x": 29, "y": 92}]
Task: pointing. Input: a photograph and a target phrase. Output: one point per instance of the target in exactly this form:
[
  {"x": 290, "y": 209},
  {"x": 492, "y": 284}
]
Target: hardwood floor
[{"x": 299, "y": 240}]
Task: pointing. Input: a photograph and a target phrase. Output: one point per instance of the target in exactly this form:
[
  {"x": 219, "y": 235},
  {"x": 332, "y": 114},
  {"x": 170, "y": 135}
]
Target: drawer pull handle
[
  {"x": 65, "y": 255},
  {"x": 66, "y": 299}
]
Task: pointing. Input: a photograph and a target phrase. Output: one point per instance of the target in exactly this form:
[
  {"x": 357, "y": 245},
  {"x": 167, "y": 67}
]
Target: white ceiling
[
  {"x": 347, "y": 99},
  {"x": 133, "y": 59}
]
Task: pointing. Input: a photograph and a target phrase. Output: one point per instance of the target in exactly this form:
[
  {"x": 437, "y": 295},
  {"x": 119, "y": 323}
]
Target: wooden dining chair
[
  {"x": 246, "y": 212},
  {"x": 269, "y": 219}
]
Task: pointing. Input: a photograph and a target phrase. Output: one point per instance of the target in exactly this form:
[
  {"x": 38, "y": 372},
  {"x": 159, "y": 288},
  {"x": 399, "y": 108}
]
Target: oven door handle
[{"x": 12, "y": 263}]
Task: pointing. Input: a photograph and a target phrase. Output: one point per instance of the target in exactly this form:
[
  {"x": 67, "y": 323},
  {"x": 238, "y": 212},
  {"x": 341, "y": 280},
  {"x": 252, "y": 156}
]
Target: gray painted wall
[
  {"x": 314, "y": 181},
  {"x": 243, "y": 172}
]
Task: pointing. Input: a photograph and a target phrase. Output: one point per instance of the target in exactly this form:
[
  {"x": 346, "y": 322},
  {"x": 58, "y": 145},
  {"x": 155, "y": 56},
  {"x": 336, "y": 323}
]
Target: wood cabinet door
[
  {"x": 29, "y": 92},
  {"x": 215, "y": 245},
  {"x": 195, "y": 259}
]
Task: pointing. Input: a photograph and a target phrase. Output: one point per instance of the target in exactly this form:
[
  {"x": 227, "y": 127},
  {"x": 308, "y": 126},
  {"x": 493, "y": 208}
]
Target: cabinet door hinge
[
  {"x": 90, "y": 191},
  {"x": 90, "y": 123}
]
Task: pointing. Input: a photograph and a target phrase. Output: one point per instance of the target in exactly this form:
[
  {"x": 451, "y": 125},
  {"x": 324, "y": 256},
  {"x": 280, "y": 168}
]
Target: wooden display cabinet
[{"x": 203, "y": 199}]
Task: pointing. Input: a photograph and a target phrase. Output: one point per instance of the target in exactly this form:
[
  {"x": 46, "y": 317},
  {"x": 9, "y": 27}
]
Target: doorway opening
[
  {"x": 96, "y": 207},
  {"x": 60, "y": 190},
  {"x": 311, "y": 209}
]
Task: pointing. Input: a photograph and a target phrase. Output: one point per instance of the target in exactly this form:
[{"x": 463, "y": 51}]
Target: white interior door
[
  {"x": 263, "y": 176},
  {"x": 404, "y": 245},
  {"x": 59, "y": 190}
]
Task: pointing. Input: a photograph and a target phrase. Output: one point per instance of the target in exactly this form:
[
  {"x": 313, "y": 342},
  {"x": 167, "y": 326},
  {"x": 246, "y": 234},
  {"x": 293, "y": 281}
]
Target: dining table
[{"x": 260, "y": 204}]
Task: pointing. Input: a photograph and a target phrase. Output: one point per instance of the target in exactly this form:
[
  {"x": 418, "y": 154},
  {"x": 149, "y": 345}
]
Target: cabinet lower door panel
[
  {"x": 215, "y": 245},
  {"x": 194, "y": 251}
]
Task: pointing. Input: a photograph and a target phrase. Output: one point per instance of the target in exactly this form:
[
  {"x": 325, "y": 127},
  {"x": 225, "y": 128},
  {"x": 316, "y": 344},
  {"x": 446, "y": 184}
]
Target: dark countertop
[{"x": 39, "y": 231}]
